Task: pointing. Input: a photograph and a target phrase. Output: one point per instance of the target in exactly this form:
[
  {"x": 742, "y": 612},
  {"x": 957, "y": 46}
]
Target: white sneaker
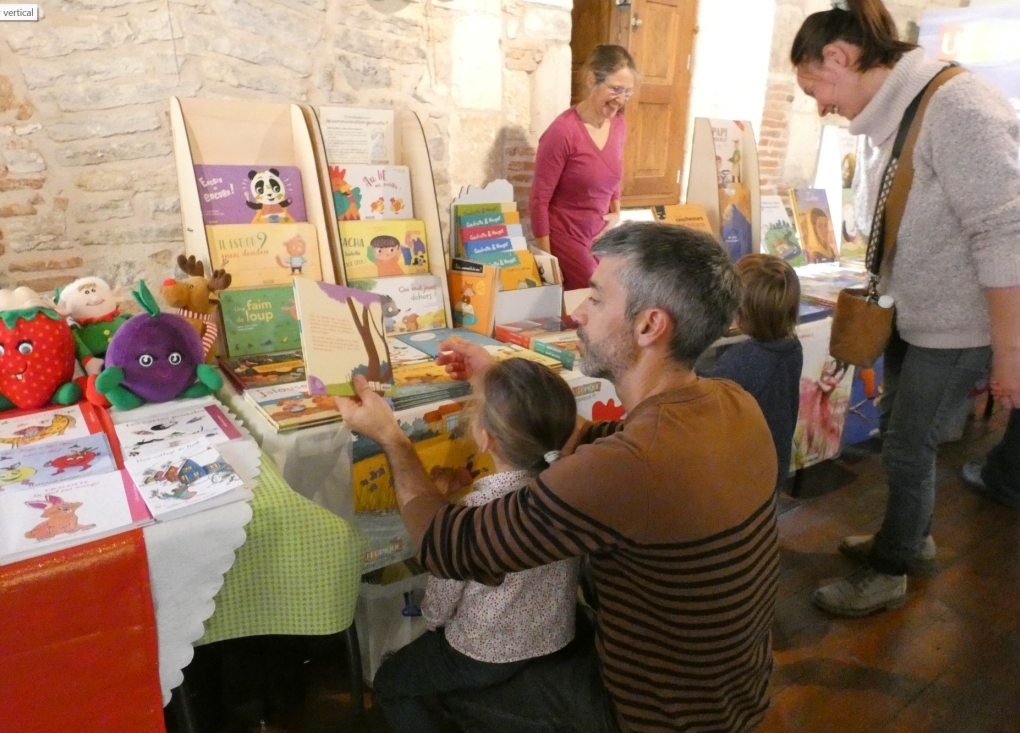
[
  {"x": 862, "y": 592},
  {"x": 858, "y": 547}
]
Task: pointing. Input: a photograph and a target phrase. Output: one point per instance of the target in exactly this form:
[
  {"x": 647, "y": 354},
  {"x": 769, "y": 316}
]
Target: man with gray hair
[{"x": 675, "y": 508}]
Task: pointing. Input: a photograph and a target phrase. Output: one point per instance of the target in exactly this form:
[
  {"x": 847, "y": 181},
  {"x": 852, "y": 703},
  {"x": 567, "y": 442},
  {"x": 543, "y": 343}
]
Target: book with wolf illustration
[
  {"x": 37, "y": 520},
  {"x": 265, "y": 254},
  {"x": 259, "y": 320},
  {"x": 184, "y": 478},
  {"x": 47, "y": 463},
  {"x": 342, "y": 334},
  {"x": 50, "y": 424},
  {"x": 242, "y": 194}
]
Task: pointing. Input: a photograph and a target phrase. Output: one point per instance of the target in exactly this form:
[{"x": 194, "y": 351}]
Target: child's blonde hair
[
  {"x": 770, "y": 302},
  {"x": 527, "y": 410}
]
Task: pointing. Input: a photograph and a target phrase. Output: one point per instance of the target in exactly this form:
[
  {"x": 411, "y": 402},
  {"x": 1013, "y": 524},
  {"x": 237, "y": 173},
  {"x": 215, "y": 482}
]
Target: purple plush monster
[{"x": 155, "y": 357}]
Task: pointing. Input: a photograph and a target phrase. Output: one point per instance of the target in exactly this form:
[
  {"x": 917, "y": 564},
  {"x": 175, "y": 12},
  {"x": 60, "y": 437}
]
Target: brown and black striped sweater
[{"x": 676, "y": 509}]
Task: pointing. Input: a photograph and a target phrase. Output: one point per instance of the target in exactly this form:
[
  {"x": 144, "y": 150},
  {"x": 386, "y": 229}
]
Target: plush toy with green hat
[
  {"x": 91, "y": 307},
  {"x": 155, "y": 357}
]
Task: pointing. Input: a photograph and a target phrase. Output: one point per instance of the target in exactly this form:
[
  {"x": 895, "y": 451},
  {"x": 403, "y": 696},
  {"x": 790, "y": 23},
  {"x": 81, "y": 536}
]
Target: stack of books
[
  {"x": 553, "y": 337},
  {"x": 289, "y": 406}
]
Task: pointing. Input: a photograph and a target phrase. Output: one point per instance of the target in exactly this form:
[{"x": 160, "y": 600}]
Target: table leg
[
  {"x": 183, "y": 710},
  {"x": 350, "y": 636}
]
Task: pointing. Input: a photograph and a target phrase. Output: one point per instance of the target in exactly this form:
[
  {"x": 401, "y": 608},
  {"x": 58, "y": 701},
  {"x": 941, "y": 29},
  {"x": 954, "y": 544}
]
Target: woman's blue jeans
[{"x": 923, "y": 389}]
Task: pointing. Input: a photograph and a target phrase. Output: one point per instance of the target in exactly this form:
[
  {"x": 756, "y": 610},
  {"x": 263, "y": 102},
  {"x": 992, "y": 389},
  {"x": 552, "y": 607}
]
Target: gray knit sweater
[{"x": 961, "y": 227}]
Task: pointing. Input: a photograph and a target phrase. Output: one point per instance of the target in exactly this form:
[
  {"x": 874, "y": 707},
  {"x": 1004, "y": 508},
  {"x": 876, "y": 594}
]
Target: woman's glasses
[{"x": 625, "y": 92}]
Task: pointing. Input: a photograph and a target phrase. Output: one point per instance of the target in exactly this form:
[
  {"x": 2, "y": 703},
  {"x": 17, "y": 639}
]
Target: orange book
[{"x": 473, "y": 288}]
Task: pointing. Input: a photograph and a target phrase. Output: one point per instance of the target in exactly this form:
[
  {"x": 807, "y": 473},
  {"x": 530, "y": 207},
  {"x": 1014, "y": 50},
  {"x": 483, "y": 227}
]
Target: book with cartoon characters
[
  {"x": 185, "y": 478},
  {"x": 372, "y": 249},
  {"x": 38, "y": 520},
  {"x": 342, "y": 334},
  {"x": 517, "y": 268},
  {"x": 259, "y": 320},
  {"x": 473, "y": 288},
  {"x": 265, "y": 254},
  {"x": 409, "y": 302},
  {"x": 288, "y": 406},
  {"x": 242, "y": 194},
  {"x": 47, "y": 463},
  {"x": 264, "y": 370},
  {"x": 428, "y": 342},
  {"x": 48, "y": 425},
  {"x": 814, "y": 224},
  {"x": 371, "y": 192},
  {"x": 778, "y": 235}
]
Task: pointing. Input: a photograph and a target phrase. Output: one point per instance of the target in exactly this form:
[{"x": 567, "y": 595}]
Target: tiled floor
[{"x": 946, "y": 662}]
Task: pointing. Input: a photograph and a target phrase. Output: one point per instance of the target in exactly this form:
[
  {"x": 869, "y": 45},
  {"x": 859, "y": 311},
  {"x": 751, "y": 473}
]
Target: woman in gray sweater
[{"x": 955, "y": 277}]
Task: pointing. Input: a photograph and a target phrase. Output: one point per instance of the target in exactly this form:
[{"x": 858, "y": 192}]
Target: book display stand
[{"x": 723, "y": 178}]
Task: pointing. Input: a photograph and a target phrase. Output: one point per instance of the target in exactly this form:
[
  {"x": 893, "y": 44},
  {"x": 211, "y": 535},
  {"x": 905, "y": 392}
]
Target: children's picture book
[
  {"x": 264, "y": 254},
  {"x": 358, "y": 135},
  {"x": 428, "y": 342},
  {"x": 290, "y": 406},
  {"x": 821, "y": 284},
  {"x": 47, "y": 463},
  {"x": 692, "y": 216},
  {"x": 729, "y": 138},
  {"x": 48, "y": 425},
  {"x": 553, "y": 337},
  {"x": 342, "y": 334},
  {"x": 264, "y": 370},
  {"x": 473, "y": 288},
  {"x": 38, "y": 520},
  {"x": 173, "y": 423},
  {"x": 814, "y": 224},
  {"x": 596, "y": 398},
  {"x": 404, "y": 353},
  {"x": 184, "y": 478},
  {"x": 372, "y": 192},
  {"x": 372, "y": 249},
  {"x": 410, "y": 302},
  {"x": 491, "y": 231},
  {"x": 517, "y": 268},
  {"x": 443, "y": 443},
  {"x": 778, "y": 235},
  {"x": 470, "y": 250},
  {"x": 485, "y": 220},
  {"x": 259, "y": 320},
  {"x": 242, "y": 194},
  {"x": 499, "y": 207}
]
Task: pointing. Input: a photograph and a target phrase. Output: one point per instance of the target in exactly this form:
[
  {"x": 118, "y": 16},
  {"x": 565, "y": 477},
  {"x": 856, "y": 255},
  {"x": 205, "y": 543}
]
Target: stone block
[
  {"x": 157, "y": 176},
  {"x": 300, "y": 31},
  {"x": 550, "y": 87},
  {"x": 97, "y": 209},
  {"x": 477, "y": 63},
  {"x": 50, "y": 41},
  {"x": 377, "y": 45},
  {"x": 19, "y": 158},
  {"x": 43, "y": 231},
  {"x": 263, "y": 52},
  {"x": 364, "y": 73},
  {"x": 67, "y": 263},
  {"x": 242, "y": 75},
  {"x": 91, "y": 97},
  {"x": 20, "y": 209},
  {"x": 15, "y": 183},
  {"x": 129, "y": 148},
  {"x": 68, "y": 128},
  {"x": 544, "y": 22}
]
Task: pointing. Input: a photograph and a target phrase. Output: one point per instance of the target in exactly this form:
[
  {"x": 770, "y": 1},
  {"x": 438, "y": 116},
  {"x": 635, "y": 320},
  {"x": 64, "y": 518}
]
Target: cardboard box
[{"x": 380, "y": 623}]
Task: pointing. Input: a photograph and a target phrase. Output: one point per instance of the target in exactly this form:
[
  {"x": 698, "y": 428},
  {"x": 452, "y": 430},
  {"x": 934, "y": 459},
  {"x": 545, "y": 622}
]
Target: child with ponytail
[{"x": 523, "y": 415}]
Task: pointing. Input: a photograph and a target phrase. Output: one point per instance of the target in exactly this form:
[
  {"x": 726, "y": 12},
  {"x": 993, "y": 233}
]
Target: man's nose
[{"x": 821, "y": 109}]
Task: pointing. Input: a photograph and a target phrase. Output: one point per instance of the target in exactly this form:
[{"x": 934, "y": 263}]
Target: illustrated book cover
[
  {"x": 372, "y": 249},
  {"x": 778, "y": 235},
  {"x": 47, "y": 463},
  {"x": 692, "y": 216},
  {"x": 428, "y": 342},
  {"x": 242, "y": 194},
  {"x": 184, "y": 479},
  {"x": 264, "y": 370},
  {"x": 814, "y": 224},
  {"x": 264, "y": 254},
  {"x": 164, "y": 424},
  {"x": 342, "y": 334},
  {"x": 48, "y": 425},
  {"x": 473, "y": 288},
  {"x": 410, "y": 302},
  {"x": 485, "y": 220},
  {"x": 288, "y": 406},
  {"x": 374, "y": 192},
  {"x": 259, "y": 320},
  {"x": 491, "y": 231},
  {"x": 35, "y": 521},
  {"x": 517, "y": 268}
]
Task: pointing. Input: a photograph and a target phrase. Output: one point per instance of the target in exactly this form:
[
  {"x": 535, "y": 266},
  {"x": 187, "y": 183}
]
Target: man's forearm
[{"x": 417, "y": 496}]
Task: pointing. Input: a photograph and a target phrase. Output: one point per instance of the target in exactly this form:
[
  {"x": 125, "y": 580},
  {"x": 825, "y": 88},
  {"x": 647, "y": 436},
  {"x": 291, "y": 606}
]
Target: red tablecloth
[{"x": 78, "y": 648}]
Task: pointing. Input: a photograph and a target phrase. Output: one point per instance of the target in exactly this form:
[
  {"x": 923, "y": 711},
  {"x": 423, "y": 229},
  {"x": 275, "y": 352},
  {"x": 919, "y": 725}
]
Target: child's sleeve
[{"x": 441, "y": 600}]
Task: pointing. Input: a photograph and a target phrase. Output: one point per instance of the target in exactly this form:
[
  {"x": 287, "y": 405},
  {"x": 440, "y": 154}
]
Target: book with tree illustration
[
  {"x": 242, "y": 194},
  {"x": 48, "y": 425},
  {"x": 38, "y": 520},
  {"x": 185, "y": 478},
  {"x": 259, "y": 320},
  {"x": 473, "y": 288},
  {"x": 342, "y": 334},
  {"x": 265, "y": 254},
  {"x": 47, "y": 463},
  {"x": 410, "y": 302},
  {"x": 373, "y": 249},
  {"x": 814, "y": 224},
  {"x": 778, "y": 235},
  {"x": 375, "y": 192}
]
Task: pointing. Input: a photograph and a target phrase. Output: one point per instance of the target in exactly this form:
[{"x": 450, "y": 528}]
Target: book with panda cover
[{"x": 244, "y": 194}]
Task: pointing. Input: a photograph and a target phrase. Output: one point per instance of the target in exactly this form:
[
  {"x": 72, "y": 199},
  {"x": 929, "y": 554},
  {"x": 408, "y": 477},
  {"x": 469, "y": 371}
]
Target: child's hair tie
[{"x": 551, "y": 457}]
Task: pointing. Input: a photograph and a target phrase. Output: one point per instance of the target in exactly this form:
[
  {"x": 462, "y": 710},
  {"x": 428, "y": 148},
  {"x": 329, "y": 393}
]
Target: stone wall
[{"x": 87, "y": 178}]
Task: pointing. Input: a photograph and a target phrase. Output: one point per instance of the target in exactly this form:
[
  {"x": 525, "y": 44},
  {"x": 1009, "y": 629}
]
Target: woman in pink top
[{"x": 575, "y": 194}]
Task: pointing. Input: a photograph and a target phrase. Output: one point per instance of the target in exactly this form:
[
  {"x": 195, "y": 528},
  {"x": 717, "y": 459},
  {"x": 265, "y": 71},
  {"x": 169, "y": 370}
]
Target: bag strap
[{"x": 897, "y": 179}]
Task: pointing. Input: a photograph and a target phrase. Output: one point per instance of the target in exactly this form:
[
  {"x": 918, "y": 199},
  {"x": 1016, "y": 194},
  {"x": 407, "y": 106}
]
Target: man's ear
[{"x": 652, "y": 325}]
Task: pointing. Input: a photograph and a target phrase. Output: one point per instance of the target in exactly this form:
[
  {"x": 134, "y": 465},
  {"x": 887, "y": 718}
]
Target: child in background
[
  {"x": 522, "y": 414},
  {"x": 769, "y": 363}
]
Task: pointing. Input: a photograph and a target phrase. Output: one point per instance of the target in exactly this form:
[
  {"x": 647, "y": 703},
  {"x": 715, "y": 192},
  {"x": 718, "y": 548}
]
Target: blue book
[
  {"x": 487, "y": 246},
  {"x": 428, "y": 341}
]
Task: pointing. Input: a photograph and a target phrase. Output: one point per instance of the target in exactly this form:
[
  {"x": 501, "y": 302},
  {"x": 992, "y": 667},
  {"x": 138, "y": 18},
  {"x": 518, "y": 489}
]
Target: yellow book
[
  {"x": 372, "y": 249},
  {"x": 689, "y": 215},
  {"x": 264, "y": 254}
]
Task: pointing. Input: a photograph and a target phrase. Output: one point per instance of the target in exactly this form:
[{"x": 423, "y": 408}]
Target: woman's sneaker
[
  {"x": 858, "y": 547},
  {"x": 862, "y": 592}
]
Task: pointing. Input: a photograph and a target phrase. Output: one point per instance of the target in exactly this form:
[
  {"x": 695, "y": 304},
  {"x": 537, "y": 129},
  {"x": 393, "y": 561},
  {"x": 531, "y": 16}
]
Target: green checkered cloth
[{"x": 297, "y": 573}]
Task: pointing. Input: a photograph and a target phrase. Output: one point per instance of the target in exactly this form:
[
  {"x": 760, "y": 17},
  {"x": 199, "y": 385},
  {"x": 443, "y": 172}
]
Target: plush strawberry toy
[{"x": 37, "y": 352}]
